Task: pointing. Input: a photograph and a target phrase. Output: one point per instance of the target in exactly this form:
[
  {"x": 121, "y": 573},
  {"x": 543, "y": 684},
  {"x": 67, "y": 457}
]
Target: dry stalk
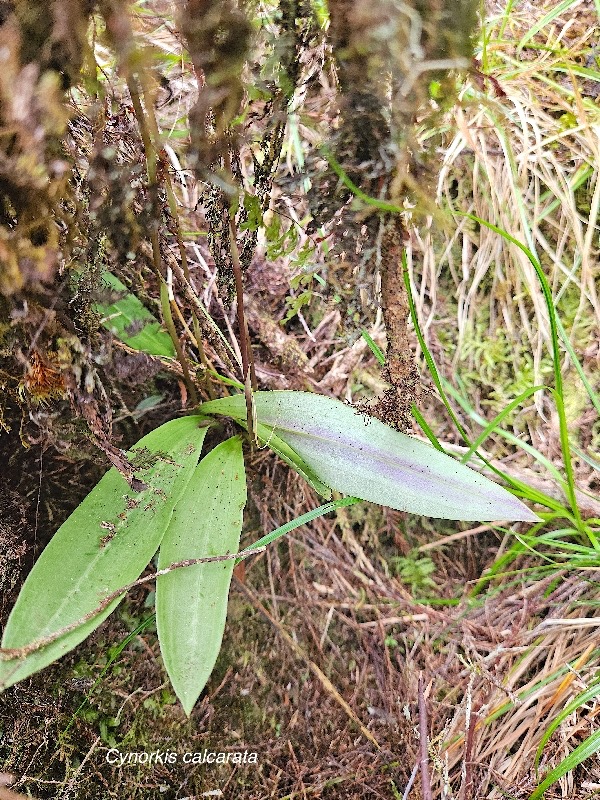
[
  {"x": 424, "y": 743},
  {"x": 148, "y": 127},
  {"x": 9, "y": 653}
]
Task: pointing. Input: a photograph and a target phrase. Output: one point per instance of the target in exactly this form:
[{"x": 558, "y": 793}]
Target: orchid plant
[{"x": 190, "y": 511}]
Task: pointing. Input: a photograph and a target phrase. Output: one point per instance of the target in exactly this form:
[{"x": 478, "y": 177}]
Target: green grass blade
[
  {"x": 594, "y": 463},
  {"x": 375, "y": 349},
  {"x": 549, "y": 17},
  {"x": 592, "y": 394},
  {"x": 495, "y": 423},
  {"x": 586, "y": 749},
  {"x": 303, "y": 520},
  {"x": 558, "y": 382},
  {"x": 425, "y": 427},
  {"x": 510, "y": 437},
  {"x": 427, "y": 355}
]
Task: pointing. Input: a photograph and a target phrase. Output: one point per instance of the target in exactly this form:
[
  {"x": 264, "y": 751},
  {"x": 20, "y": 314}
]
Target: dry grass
[{"x": 521, "y": 151}]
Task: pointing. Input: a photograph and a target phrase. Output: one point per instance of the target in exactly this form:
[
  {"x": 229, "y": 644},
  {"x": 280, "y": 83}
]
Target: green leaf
[
  {"x": 254, "y": 217},
  {"x": 315, "y": 513},
  {"x": 191, "y": 602},
  {"x": 374, "y": 347},
  {"x": 360, "y": 456},
  {"x": 589, "y": 694},
  {"x": 586, "y": 749},
  {"x": 549, "y": 17},
  {"x": 266, "y": 435},
  {"x": 132, "y": 323},
  {"x": 104, "y": 545},
  {"x": 287, "y": 454}
]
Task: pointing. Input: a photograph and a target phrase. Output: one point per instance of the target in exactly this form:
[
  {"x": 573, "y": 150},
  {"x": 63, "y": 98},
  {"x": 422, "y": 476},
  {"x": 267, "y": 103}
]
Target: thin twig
[
  {"x": 468, "y": 763},
  {"x": 9, "y": 653},
  {"x": 424, "y": 760},
  {"x": 246, "y": 349},
  {"x": 151, "y": 167},
  {"x": 411, "y": 780},
  {"x": 209, "y": 327},
  {"x": 249, "y": 376},
  {"x": 170, "y": 326},
  {"x": 186, "y": 271}
]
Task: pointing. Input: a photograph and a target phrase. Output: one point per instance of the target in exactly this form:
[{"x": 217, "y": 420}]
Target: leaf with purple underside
[{"x": 360, "y": 456}]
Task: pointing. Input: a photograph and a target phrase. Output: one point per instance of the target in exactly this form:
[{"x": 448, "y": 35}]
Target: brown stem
[
  {"x": 400, "y": 368},
  {"x": 424, "y": 761},
  {"x": 10, "y": 653},
  {"x": 245, "y": 347},
  {"x": 212, "y": 334},
  {"x": 170, "y": 326},
  {"x": 250, "y": 383},
  {"x": 151, "y": 167},
  {"x": 195, "y": 338},
  {"x": 144, "y": 131},
  {"x": 468, "y": 756},
  {"x": 186, "y": 271}
]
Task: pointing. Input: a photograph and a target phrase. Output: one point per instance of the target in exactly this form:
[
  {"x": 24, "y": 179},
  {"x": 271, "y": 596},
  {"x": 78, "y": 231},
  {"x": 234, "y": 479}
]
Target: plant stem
[
  {"x": 424, "y": 761},
  {"x": 245, "y": 348},
  {"x": 170, "y": 326},
  {"x": 151, "y": 164},
  {"x": 186, "y": 271}
]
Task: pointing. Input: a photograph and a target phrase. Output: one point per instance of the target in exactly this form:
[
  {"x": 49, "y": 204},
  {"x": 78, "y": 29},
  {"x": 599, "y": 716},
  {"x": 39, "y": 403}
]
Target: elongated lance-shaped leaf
[
  {"x": 104, "y": 545},
  {"x": 191, "y": 602},
  {"x": 129, "y": 320},
  {"x": 362, "y": 457},
  {"x": 582, "y": 752}
]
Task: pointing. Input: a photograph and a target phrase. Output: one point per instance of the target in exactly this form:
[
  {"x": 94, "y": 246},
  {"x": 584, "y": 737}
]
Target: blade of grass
[
  {"x": 558, "y": 382},
  {"x": 510, "y": 437},
  {"x": 491, "y": 427},
  {"x": 593, "y": 395},
  {"x": 586, "y": 749},
  {"x": 424, "y": 425},
  {"x": 375, "y": 349},
  {"x": 588, "y": 459},
  {"x": 303, "y": 520},
  {"x": 425, "y": 350},
  {"x": 444, "y": 387},
  {"x": 546, "y": 20}
]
